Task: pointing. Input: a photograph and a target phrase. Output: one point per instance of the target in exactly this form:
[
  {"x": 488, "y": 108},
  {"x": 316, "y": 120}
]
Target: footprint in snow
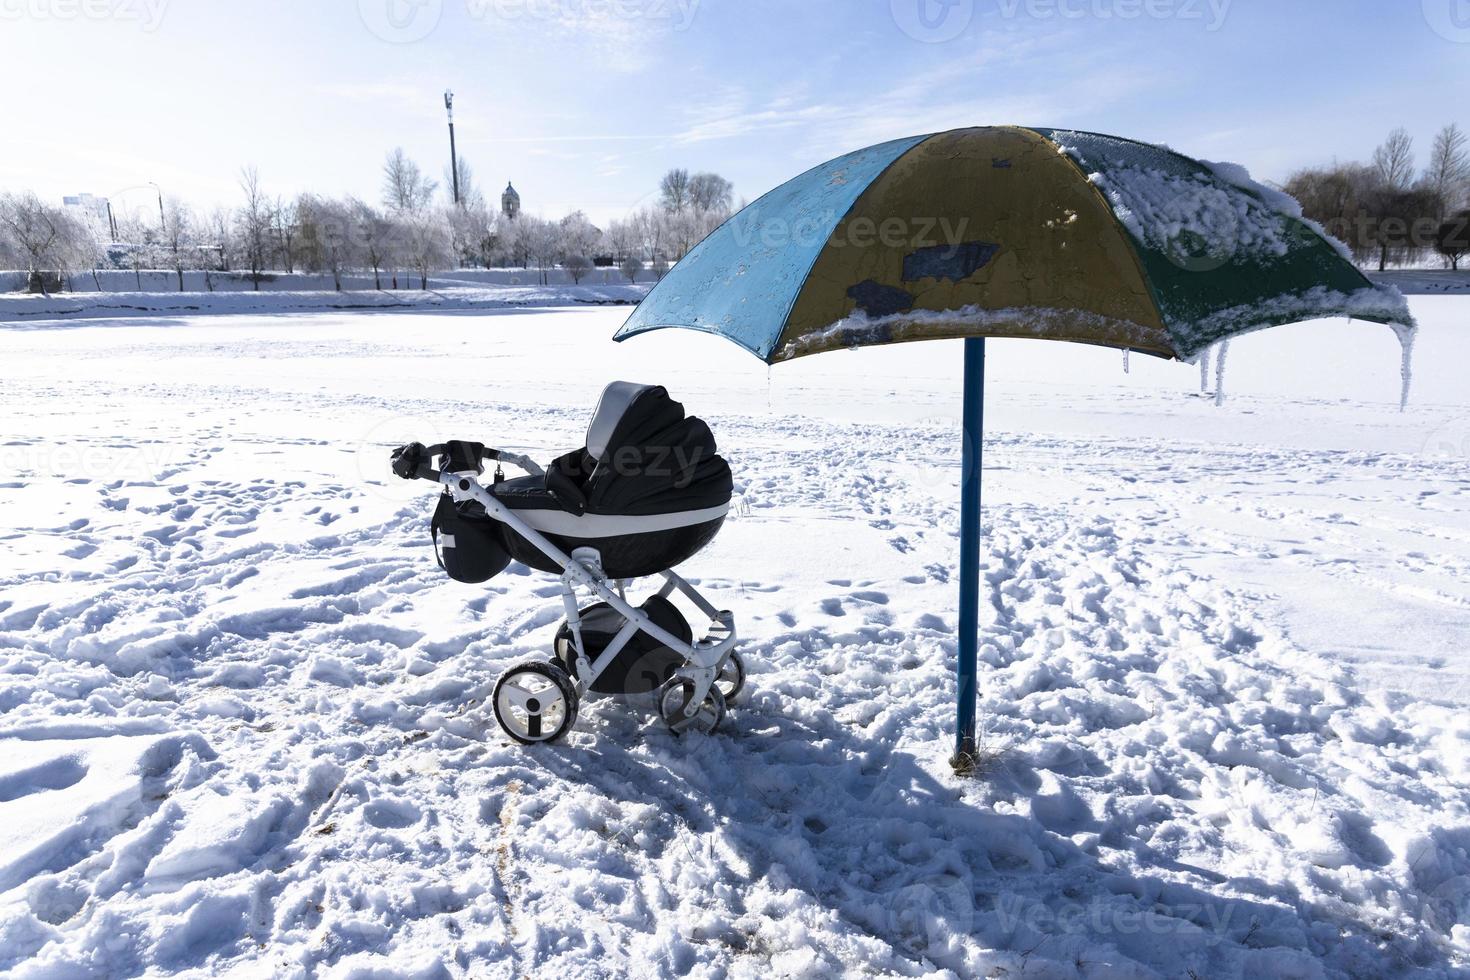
[
  {"x": 391, "y": 814},
  {"x": 53, "y": 774},
  {"x": 757, "y": 587},
  {"x": 929, "y": 621}
]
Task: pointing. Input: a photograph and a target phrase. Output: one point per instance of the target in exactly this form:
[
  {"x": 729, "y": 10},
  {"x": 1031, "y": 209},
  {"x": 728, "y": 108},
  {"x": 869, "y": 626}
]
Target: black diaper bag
[{"x": 469, "y": 544}]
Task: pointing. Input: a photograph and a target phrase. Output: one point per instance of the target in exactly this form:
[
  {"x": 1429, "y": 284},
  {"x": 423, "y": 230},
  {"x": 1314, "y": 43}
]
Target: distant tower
[{"x": 510, "y": 202}]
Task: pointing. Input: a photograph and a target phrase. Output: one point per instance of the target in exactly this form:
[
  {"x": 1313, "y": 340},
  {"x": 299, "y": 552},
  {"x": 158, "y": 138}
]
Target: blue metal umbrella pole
[{"x": 970, "y": 482}]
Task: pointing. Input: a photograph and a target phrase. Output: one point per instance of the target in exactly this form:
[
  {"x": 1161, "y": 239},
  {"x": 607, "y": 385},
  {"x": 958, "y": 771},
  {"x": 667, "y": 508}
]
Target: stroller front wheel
[
  {"x": 535, "y": 701},
  {"x": 732, "y": 677},
  {"x": 673, "y": 703}
]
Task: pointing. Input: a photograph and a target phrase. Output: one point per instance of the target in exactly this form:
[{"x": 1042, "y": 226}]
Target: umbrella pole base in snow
[{"x": 966, "y": 758}]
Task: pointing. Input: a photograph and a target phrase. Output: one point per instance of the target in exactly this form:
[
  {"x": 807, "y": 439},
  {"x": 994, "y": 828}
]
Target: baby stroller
[{"x": 645, "y": 493}]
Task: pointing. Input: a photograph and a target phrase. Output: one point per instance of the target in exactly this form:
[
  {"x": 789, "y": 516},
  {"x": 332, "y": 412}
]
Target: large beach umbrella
[{"x": 1011, "y": 232}]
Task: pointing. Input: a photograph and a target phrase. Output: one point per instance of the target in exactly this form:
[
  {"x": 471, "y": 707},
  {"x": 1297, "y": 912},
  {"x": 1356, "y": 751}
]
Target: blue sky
[{"x": 584, "y": 103}]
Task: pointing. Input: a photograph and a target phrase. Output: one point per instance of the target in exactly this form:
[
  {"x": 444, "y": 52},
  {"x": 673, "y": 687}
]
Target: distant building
[
  {"x": 92, "y": 210},
  {"x": 510, "y": 202}
]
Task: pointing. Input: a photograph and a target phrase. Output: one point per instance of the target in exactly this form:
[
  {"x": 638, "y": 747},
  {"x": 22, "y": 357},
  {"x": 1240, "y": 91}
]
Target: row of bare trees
[
  {"x": 688, "y": 209},
  {"x": 46, "y": 241},
  {"x": 403, "y": 237},
  {"x": 1387, "y": 211}
]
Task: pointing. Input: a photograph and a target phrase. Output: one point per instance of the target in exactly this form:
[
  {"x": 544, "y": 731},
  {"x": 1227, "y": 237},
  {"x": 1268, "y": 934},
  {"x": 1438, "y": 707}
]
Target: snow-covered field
[{"x": 1224, "y": 668}]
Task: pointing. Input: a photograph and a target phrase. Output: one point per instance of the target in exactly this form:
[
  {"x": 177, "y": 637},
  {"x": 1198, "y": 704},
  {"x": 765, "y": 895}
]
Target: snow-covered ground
[{"x": 1224, "y": 669}]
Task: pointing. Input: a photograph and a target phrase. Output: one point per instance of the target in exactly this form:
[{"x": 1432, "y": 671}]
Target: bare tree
[
  {"x": 284, "y": 222},
  {"x": 427, "y": 243},
  {"x": 80, "y": 250},
  {"x": 631, "y": 266},
  {"x": 221, "y": 226},
  {"x": 542, "y": 244},
  {"x": 622, "y": 239},
  {"x": 9, "y": 253},
  {"x": 471, "y": 231},
  {"x": 329, "y": 240},
  {"x": 201, "y": 254},
  {"x": 142, "y": 249},
  {"x": 1402, "y": 223},
  {"x": 710, "y": 194},
  {"x": 1394, "y": 160},
  {"x": 405, "y": 188},
  {"x": 254, "y": 221},
  {"x": 577, "y": 266},
  {"x": 469, "y": 192},
  {"x": 376, "y": 237},
  {"x": 683, "y": 230},
  {"x": 177, "y": 236},
  {"x": 1337, "y": 198},
  {"x": 46, "y": 238},
  {"x": 1453, "y": 240},
  {"x": 652, "y": 225},
  {"x": 578, "y": 236},
  {"x": 512, "y": 241},
  {"x": 674, "y": 191},
  {"x": 1449, "y": 167}
]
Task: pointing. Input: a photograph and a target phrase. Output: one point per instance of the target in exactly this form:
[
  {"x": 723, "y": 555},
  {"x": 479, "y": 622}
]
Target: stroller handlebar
[{"x": 415, "y": 461}]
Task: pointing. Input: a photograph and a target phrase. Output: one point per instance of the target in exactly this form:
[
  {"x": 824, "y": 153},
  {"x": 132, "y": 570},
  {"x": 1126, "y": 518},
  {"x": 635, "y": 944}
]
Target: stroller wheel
[
  {"x": 535, "y": 702},
  {"x": 673, "y": 702},
  {"x": 732, "y": 677}
]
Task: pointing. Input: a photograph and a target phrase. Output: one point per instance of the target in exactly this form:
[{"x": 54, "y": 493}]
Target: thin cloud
[{"x": 961, "y": 93}]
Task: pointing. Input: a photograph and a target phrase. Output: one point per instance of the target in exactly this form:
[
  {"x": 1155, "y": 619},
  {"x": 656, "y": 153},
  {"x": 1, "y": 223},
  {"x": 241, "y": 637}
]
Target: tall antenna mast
[{"x": 453, "y": 159}]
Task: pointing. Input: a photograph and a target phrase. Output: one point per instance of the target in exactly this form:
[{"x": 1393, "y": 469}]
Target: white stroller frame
[{"x": 704, "y": 660}]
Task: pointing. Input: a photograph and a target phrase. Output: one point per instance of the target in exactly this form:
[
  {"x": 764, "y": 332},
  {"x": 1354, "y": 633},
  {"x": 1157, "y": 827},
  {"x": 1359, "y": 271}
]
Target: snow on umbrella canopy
[{"x": 1011, "y": 232}]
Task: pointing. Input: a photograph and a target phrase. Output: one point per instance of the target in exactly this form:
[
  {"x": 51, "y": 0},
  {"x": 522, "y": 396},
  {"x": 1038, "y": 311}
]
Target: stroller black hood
[{"x": 643, "y": 456}]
